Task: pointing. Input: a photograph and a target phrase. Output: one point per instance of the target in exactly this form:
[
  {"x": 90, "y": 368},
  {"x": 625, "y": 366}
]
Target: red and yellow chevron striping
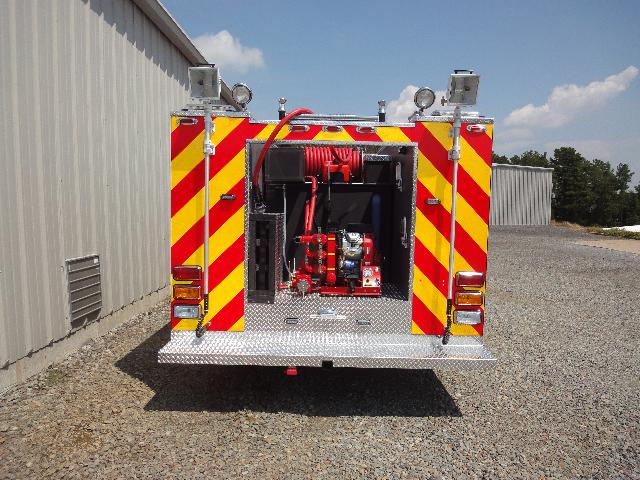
[{"x": 226, "y": 217}]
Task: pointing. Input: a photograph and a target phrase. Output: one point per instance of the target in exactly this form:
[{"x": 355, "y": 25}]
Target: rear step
[{"x": 315, "y": 349}]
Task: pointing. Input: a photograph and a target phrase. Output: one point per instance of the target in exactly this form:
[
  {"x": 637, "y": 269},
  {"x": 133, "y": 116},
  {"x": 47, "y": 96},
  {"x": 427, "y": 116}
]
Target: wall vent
[{"x": 85, "y": 289}]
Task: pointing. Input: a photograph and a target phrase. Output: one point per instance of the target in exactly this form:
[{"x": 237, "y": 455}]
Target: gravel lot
[{"x": 562, "y": 401}]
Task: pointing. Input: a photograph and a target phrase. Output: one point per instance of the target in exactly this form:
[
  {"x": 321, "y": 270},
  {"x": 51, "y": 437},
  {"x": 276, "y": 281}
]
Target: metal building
[
  {"x": 520, "y": 195},
  {"x": 86, "y": 90}
]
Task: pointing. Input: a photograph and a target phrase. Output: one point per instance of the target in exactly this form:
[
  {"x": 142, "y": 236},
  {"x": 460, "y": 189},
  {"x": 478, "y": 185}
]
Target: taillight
[
  {"x": 186, "y": 292},
  {"x": 467, "y": 297},
  {"x": 470, "y": 279},
  {"x": 186, "y": 272}
]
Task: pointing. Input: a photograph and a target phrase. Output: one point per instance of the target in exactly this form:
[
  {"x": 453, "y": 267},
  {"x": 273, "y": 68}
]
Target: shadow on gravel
[{"x": 314, "y": 392}]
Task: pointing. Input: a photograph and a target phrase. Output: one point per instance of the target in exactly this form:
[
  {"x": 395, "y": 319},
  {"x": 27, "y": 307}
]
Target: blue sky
[{"x": 342, "y": 57}]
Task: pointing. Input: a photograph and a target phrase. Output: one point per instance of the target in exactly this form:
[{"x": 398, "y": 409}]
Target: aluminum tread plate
[{"x": 365, "y": 350}]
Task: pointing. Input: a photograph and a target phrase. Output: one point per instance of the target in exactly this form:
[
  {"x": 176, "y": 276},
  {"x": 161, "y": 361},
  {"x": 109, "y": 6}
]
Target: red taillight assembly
[
  {"x": 470, "y": 279},
  {"x": 187, "y": 272}
]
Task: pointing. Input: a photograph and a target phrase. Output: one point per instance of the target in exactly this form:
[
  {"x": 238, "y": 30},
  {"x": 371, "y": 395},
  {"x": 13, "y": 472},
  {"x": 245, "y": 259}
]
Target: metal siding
[
  {"x": 87, "y": 87},
  {"x": 520, "y": 195}
]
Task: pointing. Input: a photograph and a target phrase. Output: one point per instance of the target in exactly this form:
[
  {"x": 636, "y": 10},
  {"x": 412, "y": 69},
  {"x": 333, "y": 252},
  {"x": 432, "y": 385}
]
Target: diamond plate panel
[{"x": 364, "y": 350}]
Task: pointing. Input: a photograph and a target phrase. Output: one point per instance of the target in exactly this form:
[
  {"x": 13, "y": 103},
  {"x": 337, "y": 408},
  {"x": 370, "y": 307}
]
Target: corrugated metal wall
[
  {"x": 520, "y": 195},
  {"x": 86, "y": 88}
]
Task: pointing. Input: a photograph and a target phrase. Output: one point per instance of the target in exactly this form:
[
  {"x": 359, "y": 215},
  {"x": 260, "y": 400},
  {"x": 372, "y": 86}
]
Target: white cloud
[
  {"x": 228, "y": 53},
  {"x": 567, "y": 101},
  {"x": 400, "y": 109}
]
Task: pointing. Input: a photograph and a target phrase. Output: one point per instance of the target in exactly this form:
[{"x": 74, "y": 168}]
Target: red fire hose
[{"x": 267, "y": 144}]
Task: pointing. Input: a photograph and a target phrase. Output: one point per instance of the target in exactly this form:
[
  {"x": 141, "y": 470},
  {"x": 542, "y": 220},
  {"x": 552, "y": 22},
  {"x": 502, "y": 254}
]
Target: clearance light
[
  {"x": 186, "y": 272},
  {"x": 465, "y": 297},
  {"x": 186, "y": 292},
  {"x": 467, "y": 317},
  {"x": 470, "y": 279},
  {"x": 186, "y": 311}
]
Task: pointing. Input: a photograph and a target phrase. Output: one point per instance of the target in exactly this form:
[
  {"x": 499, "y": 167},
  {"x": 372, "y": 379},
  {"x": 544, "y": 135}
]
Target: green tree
[
  {"x": 572, "y": 196},
  {"x": 605, "y": 202},
  {"x": 531, "y": 158},
  {"x": 623, "y": 177},
  {"x": 495, "y": 158}
]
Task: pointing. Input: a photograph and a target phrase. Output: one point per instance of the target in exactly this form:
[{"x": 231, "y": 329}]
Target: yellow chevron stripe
[
  {"x": 221, "y": 239},
  {"x": 438, "y": 244},
  {"x": 193, "y": 154},
  {"x": 268, "y": 129},
  {"x": 221, "y": 183},
  {"x": 435, "y": 301},
  {"x": 415, "y": 329},
  {"x": 341, "y": 136},
  {"x": 238, "y": 326},
  {"x": 392, "y": 134},
  {"x": 466, "y": 216},
  {"x": 469, "y": 159}
]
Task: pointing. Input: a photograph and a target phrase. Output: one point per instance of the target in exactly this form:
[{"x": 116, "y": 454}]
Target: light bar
[
  {"x": 470, "y": 279},
  {"x": 186, "y": 292},
  {"x": 467, "y": 317},
  {"x": 186, "y": 272},
  {"x": 186, "y": 311}
]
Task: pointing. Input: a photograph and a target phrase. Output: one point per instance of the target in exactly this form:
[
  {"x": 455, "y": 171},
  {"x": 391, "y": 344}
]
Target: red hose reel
[{"x": 327, "y": 161}]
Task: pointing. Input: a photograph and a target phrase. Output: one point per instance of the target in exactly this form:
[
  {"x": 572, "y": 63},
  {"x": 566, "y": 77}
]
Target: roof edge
[{"x": 168, "y": 25}]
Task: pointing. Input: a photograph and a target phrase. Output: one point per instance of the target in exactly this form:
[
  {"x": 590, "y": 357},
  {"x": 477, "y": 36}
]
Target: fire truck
[{"x": 329, "y": 240}]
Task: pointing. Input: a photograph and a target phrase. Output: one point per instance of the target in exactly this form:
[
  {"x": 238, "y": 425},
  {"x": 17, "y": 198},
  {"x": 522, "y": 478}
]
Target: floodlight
[
  {"x": 424, "y": 98},
  {"x": 463, "y": 88},
  {"x": 204, "y": 82},
  {"x": 241, "y": 94}
]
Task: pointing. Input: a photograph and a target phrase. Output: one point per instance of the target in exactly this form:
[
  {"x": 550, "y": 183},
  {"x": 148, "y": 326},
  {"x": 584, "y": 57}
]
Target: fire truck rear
[{"x": 329, "y": 240}]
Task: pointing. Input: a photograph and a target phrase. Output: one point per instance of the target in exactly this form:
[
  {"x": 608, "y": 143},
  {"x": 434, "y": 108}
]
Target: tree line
[{"x": 587, "y": 192}]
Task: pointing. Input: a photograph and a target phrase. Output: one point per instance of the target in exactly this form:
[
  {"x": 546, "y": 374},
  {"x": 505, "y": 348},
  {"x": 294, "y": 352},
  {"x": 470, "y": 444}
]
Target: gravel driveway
[{"x": 563, "y": 400}]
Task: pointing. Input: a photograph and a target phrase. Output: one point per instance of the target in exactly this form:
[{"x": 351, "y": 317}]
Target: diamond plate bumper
[{"x": 365, "y": 350}]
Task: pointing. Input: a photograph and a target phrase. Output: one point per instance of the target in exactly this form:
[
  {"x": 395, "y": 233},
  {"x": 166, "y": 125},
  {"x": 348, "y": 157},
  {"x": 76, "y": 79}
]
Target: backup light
[
  {"x": 467, "y": 317},
  {"x": 241, "y": 94},
  {"x": 470, "y": 279},
  {"x": 424, "y": 98},
  {"x": 186, "y": 311},
  {"x": 466, "y": 297},
  {"x": 186, "y": 292},
  {"x": 186, "y": 272}
]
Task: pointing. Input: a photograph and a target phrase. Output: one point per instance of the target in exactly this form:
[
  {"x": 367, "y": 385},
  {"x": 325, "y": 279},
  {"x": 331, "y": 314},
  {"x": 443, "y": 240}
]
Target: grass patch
[
  {"x": 616, "y": 232},
  {"x": 54, "y": 376}
]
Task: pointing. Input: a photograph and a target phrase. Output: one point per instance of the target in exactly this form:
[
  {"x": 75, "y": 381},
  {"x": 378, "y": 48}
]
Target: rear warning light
[
  {"x": 467, "y": 317},
  {"x": 186, "y": 311},
  {"x": 469, "y": 279},
  {"x": 186, "y": 272},
  {"x": 186, "y": 292},
  {"x": 465, "y": 297}
]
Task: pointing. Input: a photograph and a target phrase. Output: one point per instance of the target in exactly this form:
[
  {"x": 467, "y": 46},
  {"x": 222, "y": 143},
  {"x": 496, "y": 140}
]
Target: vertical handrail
[{"x": 454, "y": 155}]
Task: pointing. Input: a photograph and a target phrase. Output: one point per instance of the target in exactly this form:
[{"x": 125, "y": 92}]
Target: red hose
[
  {"x": 267, "y": 144},
  {"x": 311, "y": 211}
]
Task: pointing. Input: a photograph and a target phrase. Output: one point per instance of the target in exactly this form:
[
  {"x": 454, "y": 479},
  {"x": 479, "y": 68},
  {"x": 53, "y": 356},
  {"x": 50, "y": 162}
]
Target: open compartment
[{"x": 363, "y": 220}]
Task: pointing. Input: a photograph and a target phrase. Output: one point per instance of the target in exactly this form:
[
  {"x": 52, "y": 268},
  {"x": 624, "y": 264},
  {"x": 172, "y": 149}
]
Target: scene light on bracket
[
  {"x": 205, "y": 82},
  {"x": 462, "y": 89},
  {"x": 242, "y": 94},
  {"x": 424, "y": 98}
]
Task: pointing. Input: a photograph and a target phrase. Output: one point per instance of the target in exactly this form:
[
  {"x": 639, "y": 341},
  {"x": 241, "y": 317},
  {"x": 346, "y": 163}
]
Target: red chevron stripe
[
  {"x": 465, "y": 245},
  {"x": 430, "y": 267},
  {"x": 226, "y": 263},
  {"x": 226, "y": 150},
  {"x": 480, "y": 142},
  {"x": 183, "y": 135},
  {"x": 229, "y": 314},
  {"x": 218, "y": 215},
  {"x": 361, "y": 137},
  {"x": 425, "y": 319},
  {"x": 438, "y": 156}
]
